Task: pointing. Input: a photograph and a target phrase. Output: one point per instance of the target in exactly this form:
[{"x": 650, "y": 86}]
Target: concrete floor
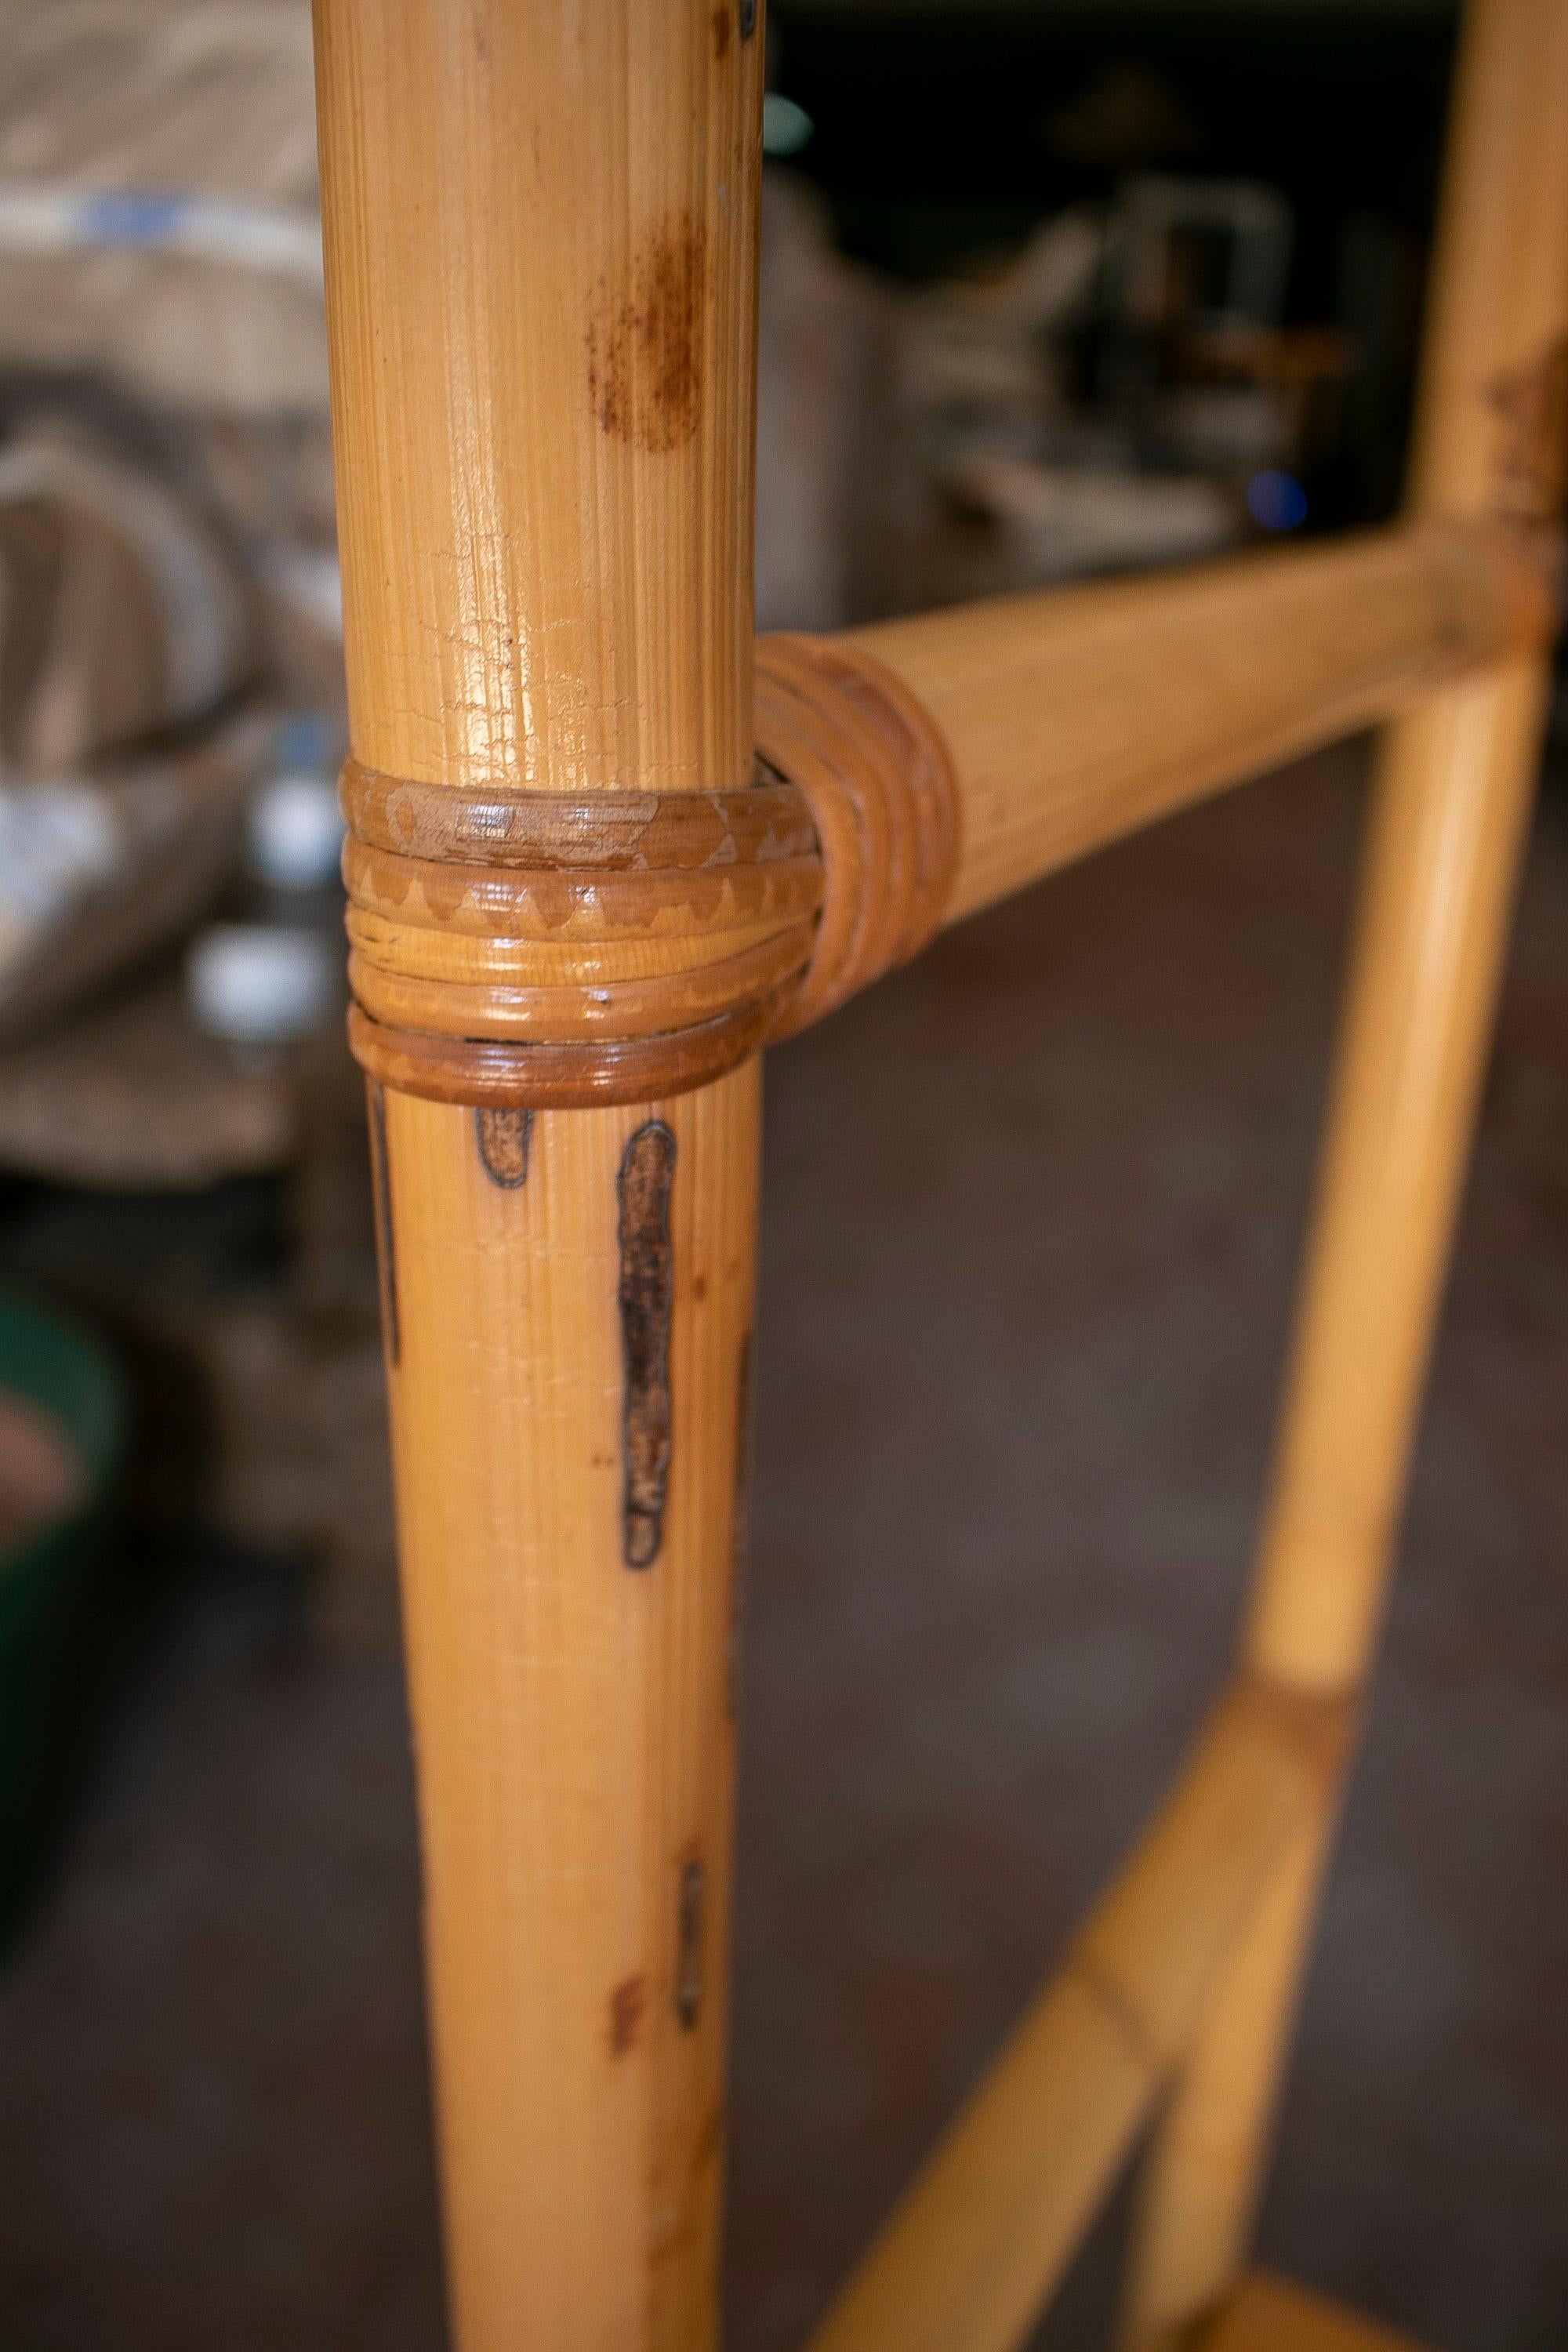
[{"x": 1032, "y": 1211}]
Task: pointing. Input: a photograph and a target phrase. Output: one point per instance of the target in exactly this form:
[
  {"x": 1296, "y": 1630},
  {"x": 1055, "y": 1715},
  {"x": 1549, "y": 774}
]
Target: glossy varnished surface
[
  {"x": 1074, "y": 716},
  {"x": 567, "y": 1434},
  {"x": 541, "y": 236},
  {"x": 540, "y": 240}
]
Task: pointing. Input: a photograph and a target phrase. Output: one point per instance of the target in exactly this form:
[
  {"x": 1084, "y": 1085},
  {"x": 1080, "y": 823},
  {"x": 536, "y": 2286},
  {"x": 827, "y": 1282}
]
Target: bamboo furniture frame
[{"x": 598, "y": 858}]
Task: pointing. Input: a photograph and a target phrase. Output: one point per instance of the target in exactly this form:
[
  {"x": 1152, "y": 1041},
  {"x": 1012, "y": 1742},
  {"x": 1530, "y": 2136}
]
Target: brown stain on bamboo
[
  {"x": 385, "y": 1247},
  {"x": 689, "y": 1946},
  {"x": 495, "y": 537},
  {"x": 646, "y": 1288},
  {"x": 627, "y": 2002},
  {"x": 503, "y": 1138},
  {"x": 646, "y": 347},
  {"x": 1533, "y": 404},
  {"x": 723, "y": 26}
]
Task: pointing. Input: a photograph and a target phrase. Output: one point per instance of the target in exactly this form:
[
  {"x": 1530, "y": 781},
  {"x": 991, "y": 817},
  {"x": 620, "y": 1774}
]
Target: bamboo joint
[{"x": 552, "y": 950}]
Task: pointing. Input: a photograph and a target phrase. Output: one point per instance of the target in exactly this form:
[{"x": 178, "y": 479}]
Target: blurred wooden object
[
  {"x": 101, "y": 870},
  {"x": 992, "y": 2222},
  {"x": 130, "y": 1096},
  {"x": 1449, "y": 821},
  {"x": 121, "y": 615},
  {"x": 158, "y": 201}
]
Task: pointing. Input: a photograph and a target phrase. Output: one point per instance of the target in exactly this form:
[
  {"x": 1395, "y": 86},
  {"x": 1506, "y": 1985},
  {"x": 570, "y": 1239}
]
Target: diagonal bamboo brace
[{"x": 977, "y": 2245}]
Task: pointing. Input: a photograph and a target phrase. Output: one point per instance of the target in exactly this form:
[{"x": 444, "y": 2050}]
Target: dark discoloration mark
[
  {"x": 708, "y": 2147},
  {"x": 627, "y": 2002},
  {"x": 689, "y": 1946},
  {"x": 503, "y": 1138},
  {"x": 386, "y": 1246},
  {"x": 748, "y": 18},
  {"x": 647, "y": 1281},
  {"x": 645, "y": 350},
  {"x": 723, "y": 26},
  {"x": 741, "y": 1526},
  {"x": 1532, "y": 471}
]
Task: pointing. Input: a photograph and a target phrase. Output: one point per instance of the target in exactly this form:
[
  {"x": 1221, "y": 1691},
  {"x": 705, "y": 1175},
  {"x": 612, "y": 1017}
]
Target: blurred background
[{"x": 1049, "y": 289}]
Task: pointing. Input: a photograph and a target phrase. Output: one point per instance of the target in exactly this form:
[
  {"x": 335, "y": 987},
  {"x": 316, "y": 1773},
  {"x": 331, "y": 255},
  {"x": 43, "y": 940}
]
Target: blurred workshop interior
[{"x": 1051, "y": 289}]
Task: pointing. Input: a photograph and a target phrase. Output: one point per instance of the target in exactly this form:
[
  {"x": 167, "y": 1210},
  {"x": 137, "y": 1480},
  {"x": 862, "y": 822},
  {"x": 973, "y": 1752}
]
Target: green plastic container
[{"x": 47, "y": 1592}]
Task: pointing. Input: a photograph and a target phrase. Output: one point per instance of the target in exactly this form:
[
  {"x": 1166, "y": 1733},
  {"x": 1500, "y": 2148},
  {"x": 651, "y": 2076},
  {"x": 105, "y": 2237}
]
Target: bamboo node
[
  {"x": 1319, "y": 1724},
  {"x": 511, "y": 947},
  {"x": 519, "y": 949}
]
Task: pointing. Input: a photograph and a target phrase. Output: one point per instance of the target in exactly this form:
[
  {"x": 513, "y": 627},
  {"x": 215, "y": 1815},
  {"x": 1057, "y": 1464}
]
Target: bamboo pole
[
  {"x": 1449, "y": 821},
  {"x": 986, "y": 2231},
  {"x": 1072, "y": 717},
  {"x": 540, "y": 229},
  {"x": 1269, "y": 2315}
]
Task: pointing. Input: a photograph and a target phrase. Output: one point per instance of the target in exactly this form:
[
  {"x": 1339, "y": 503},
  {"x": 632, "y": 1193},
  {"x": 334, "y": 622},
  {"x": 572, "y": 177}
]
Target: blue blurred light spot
[
  {"x": 786, "y": 127},
  {"x": 133, "y": 217},
  {"x": 1276, "y": 501}
]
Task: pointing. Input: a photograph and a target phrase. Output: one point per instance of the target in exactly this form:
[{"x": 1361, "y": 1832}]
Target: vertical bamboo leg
[
  {"x": 540, "y": 239},
  {"x": 1451, "y": 808}
]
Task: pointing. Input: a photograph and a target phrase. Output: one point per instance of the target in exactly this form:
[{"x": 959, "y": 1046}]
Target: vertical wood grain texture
[
  {"x": 540, "y": 237},
  {"x": 573, "y": 1720},
  {"x": 1449, "y": 819}
]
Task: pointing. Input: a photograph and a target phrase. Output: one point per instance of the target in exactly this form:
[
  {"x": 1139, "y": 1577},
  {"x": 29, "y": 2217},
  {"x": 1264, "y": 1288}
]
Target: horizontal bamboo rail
[
  {"x": 1073, "y": 717},
  {"x": 555, "y": 949},
  {"x": 988, "y": 2226}
]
